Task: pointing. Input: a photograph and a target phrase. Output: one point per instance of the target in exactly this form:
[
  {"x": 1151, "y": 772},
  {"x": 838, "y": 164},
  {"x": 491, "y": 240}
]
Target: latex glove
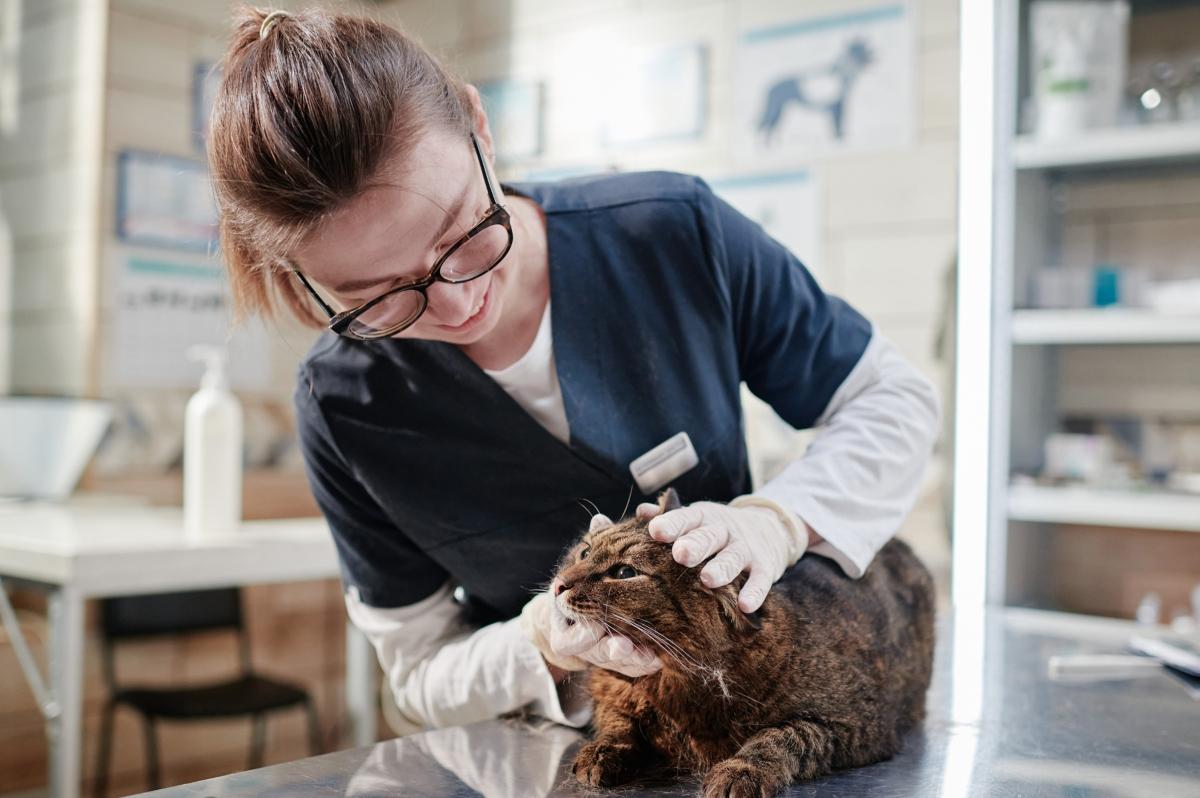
[
  {"x": 613, "y": 652},
  {"x": 576, "y": 646},
  {"x": 749, "y": 533},
  {"x": 539, "y": 618}
]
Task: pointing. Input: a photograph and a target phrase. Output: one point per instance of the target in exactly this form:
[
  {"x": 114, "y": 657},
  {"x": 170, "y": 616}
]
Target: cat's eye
[
  {"x": 623, "y": 572},
  {"x": 583, "y": 554}
]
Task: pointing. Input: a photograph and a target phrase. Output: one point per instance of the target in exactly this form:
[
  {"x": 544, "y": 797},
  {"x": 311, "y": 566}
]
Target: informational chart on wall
[
  {"x": 165, "y": 305},
  {"x": 165, "y": 201},
  {"x": 823, "y": 85},
  {"x": 785, "y": 204}
]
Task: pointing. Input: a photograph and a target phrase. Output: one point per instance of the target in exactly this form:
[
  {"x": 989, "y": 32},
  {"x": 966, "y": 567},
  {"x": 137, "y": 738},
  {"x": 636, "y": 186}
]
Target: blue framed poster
[
  {"x": 165, "y": 201},
  {"x": 827, "y": 84},
  {"x": 206, "y": 76}
]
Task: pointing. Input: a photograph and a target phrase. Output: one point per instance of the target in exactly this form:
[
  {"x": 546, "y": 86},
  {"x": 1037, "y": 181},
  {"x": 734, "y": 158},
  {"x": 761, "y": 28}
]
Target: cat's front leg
[
  {"x": 770, "y": 761},
  {"x": 619, "y": 750},
  {"x": 607, "y": 762}
]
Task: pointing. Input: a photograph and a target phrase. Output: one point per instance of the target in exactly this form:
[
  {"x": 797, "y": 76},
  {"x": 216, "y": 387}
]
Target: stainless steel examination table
[{"x": 998, "y": 725}]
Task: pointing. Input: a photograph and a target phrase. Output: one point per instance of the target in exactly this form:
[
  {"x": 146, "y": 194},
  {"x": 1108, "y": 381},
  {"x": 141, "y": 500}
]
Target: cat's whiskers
[
  {"x": 627, "y": 501},
  {"x": 656, "y": 636},
  {"x": 686, "y": 661},
  {"x": 662, "y": 641},
  {"x": 676, "y": 651},
  {"x": 594, "y": 510}
]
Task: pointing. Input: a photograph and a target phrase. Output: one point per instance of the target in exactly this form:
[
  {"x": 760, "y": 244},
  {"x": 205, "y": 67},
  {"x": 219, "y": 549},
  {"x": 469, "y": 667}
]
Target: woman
[{"x": 496, "y": 357}]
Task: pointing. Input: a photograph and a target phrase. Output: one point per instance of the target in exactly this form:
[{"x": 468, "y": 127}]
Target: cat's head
[{"x": 621, "y": 577}]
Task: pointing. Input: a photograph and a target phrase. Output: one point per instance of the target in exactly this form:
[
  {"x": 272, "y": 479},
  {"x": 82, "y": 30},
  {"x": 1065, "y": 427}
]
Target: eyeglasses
[{"x": 473, "y": 255}]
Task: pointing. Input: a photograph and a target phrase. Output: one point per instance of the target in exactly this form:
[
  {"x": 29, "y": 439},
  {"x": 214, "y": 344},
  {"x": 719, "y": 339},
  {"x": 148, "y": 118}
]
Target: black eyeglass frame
[{"x": 497, "y": 214}]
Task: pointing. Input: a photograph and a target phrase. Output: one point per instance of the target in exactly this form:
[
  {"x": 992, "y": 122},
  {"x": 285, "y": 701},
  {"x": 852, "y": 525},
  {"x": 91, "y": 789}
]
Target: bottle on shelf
[{"x": 212, "y": 451}]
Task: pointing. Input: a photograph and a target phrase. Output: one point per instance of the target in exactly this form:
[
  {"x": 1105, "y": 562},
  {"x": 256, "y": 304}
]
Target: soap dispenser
[{"x": 212, "y": 451}]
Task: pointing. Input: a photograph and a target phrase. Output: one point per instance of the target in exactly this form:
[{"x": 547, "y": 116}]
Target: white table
[{"x": 93, "y": 548}]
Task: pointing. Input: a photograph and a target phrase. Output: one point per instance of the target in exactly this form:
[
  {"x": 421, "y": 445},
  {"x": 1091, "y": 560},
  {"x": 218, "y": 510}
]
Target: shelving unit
[
  {"x": 1103, "y": 326},
  {"x": 1129, "y": 146},
  {"x": 1144, "y": 509},
  {"x": 1015, "y": 194}
]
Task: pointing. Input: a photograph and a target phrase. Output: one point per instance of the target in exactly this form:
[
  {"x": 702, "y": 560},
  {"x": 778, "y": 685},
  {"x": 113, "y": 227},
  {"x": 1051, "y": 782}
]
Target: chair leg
[
  {"x": 314, "y": 728},
  {"x": 103, "y": 750},
  {"x": 153, "y": 778},
  {"x": 258, "y": 740}
]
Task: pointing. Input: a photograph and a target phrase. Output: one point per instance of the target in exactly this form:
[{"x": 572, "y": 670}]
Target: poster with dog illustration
[{"x": 822, "y": 85}]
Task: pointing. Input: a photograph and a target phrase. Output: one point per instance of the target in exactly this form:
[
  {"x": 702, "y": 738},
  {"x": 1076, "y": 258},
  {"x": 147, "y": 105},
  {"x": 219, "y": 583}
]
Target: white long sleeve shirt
[{"x": 854, "y": 486}]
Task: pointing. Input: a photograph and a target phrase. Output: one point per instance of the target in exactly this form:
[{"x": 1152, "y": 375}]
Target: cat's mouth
[{"x": 571, "y": 615}]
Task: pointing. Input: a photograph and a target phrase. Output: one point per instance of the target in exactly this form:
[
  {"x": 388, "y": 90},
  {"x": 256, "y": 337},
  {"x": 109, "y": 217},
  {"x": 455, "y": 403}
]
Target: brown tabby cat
[{"x": 830, "y": 672}]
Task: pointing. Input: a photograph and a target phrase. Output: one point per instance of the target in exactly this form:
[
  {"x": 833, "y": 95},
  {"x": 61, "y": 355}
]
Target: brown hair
[{"x": 308, "y": 109}]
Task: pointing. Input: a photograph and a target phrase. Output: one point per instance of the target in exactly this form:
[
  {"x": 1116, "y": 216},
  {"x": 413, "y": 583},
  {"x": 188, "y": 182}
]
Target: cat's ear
[
  {"x": 599, "y": 521},
  {"x": 669, "y": 500},
  {"x": 727, "y": 598}
]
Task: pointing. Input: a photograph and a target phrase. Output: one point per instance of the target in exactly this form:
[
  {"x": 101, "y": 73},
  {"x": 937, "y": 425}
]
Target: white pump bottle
[{"x": 212, "y": 452}]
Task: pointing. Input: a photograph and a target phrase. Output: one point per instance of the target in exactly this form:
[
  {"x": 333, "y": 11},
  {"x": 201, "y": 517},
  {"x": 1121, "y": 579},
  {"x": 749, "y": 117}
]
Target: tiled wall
[{"x": 42, "y": 164}]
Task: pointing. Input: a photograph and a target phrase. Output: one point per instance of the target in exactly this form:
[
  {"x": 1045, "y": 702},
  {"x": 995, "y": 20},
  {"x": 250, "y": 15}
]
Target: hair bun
[{"x": 270, "y": 21}]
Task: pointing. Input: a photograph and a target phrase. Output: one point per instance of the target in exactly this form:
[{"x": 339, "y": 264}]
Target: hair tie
[{"x": 270, "y": 21}]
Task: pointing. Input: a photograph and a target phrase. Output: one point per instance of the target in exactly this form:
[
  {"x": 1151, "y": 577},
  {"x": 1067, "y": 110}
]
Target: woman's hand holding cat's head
[
  {"x": 575, "y": 644},
  {"x": 537, "y": 622},
  {"x": 749, "y": 533},
  {"x": 613, "y": 652}
]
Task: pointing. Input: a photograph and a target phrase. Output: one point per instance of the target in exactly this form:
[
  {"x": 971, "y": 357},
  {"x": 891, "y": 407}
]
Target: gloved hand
[
  {"x": 576, "y": 646},
  {"x": 749, "y": 533},
  {"x": 537, "y": 621}
]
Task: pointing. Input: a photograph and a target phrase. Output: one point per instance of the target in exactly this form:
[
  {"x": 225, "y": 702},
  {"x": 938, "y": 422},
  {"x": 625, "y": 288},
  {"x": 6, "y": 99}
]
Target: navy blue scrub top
[{"x": 663, "y": 300}]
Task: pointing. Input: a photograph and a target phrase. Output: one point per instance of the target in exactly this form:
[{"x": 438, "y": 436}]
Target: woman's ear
[
  {"x": 669, "y": 500},
  {"x": 479, "y": 123}
]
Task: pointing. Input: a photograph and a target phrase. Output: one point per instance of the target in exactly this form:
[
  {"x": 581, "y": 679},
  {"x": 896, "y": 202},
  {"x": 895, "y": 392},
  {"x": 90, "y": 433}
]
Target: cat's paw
[
  {"x": 604, "y": 764},
  {"x": 739, "y": 778}
]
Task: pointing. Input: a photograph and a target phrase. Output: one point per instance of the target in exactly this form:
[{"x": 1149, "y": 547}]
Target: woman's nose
[{"x": 452, "y": 304}]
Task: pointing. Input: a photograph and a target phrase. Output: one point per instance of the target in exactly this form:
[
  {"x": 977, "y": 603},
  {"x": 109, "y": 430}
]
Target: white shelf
[
  {"x": 1079, "y": 505},
  {"x": 1103, "y": 326},
  {"x": 1111, "y": 147}
]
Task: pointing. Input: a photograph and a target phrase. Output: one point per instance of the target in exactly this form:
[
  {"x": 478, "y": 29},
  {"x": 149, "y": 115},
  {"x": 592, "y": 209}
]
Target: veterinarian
[{"x": 496, "y": 355}]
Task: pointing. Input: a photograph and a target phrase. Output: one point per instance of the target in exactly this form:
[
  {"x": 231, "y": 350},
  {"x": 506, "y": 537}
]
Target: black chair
[{"x": 249, "y": 694}]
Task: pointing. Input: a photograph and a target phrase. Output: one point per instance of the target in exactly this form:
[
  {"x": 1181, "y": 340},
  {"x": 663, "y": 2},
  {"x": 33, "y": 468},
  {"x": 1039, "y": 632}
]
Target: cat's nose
[{"x": 557, "y": 586}]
